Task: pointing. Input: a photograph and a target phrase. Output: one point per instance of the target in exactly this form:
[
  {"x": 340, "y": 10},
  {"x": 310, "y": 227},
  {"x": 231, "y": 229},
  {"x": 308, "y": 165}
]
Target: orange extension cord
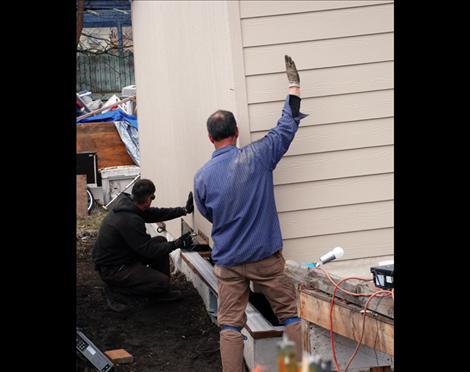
[{"x": 379, "y": 293}]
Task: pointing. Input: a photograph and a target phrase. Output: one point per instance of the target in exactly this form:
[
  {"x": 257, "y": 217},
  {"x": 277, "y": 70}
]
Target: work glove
[
  {"x": 189, "y": 204},
  {"x": 185, "y": 242},
  {"x": 292, "y": 74}
]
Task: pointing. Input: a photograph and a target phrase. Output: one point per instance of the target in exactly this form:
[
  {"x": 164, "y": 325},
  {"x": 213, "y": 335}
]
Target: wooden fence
[{"x": 105, "y": 73}]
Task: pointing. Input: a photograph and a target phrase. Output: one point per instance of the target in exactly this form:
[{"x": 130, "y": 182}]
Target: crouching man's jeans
[{"x": 233, "y": 285}]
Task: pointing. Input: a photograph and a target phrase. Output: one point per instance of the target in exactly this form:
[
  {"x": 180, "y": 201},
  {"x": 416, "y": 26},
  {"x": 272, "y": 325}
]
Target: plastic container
[{"x": 115, "y": 179}]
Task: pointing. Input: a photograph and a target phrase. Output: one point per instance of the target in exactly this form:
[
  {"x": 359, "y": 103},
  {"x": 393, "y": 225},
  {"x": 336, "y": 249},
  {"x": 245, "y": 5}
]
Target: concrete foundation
[{"x": 366, "y": 357}]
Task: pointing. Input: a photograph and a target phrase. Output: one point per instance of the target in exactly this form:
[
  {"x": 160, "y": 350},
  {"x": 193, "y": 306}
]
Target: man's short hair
[
  {"x": 142, "y": 190},
  {"x": 221, "y": 124}
]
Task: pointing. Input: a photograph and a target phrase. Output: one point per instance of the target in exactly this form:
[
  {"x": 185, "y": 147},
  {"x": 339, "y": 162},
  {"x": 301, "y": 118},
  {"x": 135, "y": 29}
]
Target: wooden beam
[
  {"x": 256, "y": 324},
  {"x": 378, "y": 332},
  {"x": 316, "y": 279},
  {"x": 97, "y": 111}
]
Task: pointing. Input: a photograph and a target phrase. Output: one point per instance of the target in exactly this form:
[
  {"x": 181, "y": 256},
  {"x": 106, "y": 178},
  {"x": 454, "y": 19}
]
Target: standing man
[
  {"x": 132, "y": 264},
  {"x": 234, "y": 191}
]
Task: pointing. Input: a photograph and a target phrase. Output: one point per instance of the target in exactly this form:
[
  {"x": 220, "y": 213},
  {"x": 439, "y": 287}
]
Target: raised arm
[{"x": 275, "y": 144}]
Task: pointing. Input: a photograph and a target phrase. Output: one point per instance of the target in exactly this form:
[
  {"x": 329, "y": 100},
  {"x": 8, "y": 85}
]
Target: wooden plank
[
  {"x": 315, "y": 279},
  {"x": 339, "y": 136},
  {"x": 317, "y": 25},
  {"x": 337, "y": 164},
  {"x": 357, "y": 244},
  {"x": 97, "y": 111},
  {"x": 82, "y": 205},
  {"x": 250, "y": 8},
  {"x": 104, "y": 139},
  {"x": 256, "y": 324},
  {"x": 323, "y": 110},
  {"x": 322, "y": 82},
  {"x": 330, "y": 193},
  {"x": 346, "y": 322},
  {"x": 201, "y": 267},
  {"x": 333, "y": 220},
  {"x": 268, "y": 59},
  {"x": 119, "y": 356}
]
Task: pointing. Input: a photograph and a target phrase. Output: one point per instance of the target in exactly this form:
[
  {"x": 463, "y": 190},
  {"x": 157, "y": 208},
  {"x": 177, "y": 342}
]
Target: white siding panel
[
  {"x": 328, "y": 193},
  {"x": 337, "y": 164},
  {"x": 317, "y": 25},
  {"x": 341, "y": 136},
  {"x": 252, "y": 8},
  {"x": 322, "y": 82},
  {"x": 322, "y": 110},
  {"x": 334, "y": 220},
  {"x": 355, "y": 244},
  {"x": 196, "y": 75},
  {"x": 321, "y": 53}
]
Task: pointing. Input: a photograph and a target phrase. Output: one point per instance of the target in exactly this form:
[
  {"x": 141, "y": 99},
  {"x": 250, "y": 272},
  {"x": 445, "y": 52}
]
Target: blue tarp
[{"x": 113, "y": 115}]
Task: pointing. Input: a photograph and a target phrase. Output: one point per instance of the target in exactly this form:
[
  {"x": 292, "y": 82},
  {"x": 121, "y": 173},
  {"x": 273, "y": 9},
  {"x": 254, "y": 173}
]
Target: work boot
[
  {"x": 169, "y": 296},
  {"x": 112, "y": 302}
]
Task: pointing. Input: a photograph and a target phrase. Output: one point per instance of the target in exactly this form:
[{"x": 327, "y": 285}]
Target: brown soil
[{"x": 176, "y": 336}]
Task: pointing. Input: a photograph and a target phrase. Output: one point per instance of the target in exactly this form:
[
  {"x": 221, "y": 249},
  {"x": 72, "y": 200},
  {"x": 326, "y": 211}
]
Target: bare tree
[{"x": 81, "y": 7}]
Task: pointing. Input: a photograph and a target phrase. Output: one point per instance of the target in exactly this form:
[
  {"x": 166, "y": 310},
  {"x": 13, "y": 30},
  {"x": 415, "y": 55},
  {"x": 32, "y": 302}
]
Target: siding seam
[
  {"x": 331, "y": 123},
  {"x": 323, "y": 68},
  {"x": 338, "y": 178},
  {"x": 335, "y": 205},
  {"x": 333, "y": 178},
  {"x": 338, "y": 150},
  {"x": 320, "y": 39},
  {"x": 341, "y": 232},
  {"x": 326, "y": 95},
  {"x": 316, "y": 11}
]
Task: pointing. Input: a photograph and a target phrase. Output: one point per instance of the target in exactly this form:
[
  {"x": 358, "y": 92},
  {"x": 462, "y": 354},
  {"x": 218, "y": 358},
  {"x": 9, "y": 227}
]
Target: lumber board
[
  {"x": 317, "y": 280},
  {"x": 256, "y": 324},
  {"x": 103, "y": 138},
  {"x": 378, "y": 333}
]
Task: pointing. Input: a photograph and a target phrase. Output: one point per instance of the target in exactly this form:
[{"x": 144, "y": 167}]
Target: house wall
[
  {"x": 335, "y": 184},
  {"x": 183, "y": 71}
]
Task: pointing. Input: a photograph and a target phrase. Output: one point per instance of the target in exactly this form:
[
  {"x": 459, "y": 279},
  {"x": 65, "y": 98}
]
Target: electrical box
[{"x": 383, "y": 276}]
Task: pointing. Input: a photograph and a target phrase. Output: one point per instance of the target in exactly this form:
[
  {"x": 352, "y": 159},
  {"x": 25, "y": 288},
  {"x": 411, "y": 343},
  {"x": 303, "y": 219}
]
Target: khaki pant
[{"x": 233, "y": 285}]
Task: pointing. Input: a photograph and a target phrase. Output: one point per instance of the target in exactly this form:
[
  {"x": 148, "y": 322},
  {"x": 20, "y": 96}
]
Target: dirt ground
[{"x": 175, "y": 336}]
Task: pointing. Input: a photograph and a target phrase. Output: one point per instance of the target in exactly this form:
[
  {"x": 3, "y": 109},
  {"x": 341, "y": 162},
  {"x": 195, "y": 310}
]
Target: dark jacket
[{"x": 122, "y": 238}]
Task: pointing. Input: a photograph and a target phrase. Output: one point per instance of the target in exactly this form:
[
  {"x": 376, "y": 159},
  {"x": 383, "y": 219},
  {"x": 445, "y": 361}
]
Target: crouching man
[{"x": 134, "y": 266}]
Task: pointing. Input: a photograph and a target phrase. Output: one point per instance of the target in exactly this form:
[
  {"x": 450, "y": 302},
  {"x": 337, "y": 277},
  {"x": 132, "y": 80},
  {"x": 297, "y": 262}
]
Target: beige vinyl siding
[
  {"x": 328, "y": 53},
  {"x": 334, "y": 164},
  {"x": 339, "y": 136},
  {"x": 325, "y": 110},
  {"x": 323, "y": 82},
  {"x": 363, "y": 243},
  {"x": 334, "y": 186},
  {"x": 253, "y": 8},
  {"x": 334, "y": 192},
  {"x": 310, "y": 26},
  {"x": 335, "y": 220}
]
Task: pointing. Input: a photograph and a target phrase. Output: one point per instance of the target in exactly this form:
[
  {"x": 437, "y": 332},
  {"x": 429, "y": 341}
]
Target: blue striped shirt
[{"x": 234, "y": 191}]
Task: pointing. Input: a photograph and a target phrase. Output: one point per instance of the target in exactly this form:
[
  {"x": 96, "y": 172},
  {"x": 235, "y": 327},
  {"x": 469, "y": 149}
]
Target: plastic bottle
[{"x": 286, "y": 358}]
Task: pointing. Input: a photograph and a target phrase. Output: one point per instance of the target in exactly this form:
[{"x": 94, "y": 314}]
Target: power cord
[{"x": 379, "y": 293}]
